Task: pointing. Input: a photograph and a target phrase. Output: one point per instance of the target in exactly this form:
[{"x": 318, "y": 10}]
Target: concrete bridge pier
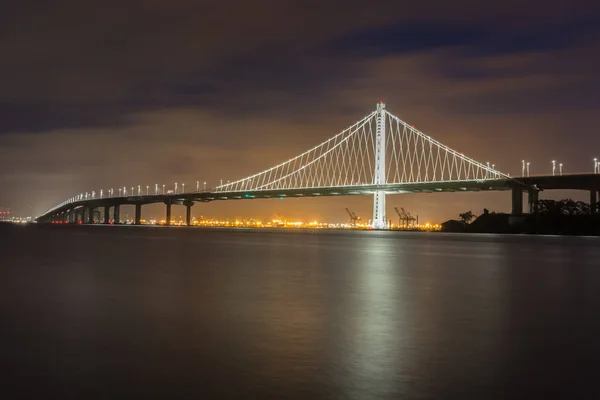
[
  {"x": 90, "y": 216},
  {"x": 517, "y": 201},
  {"x": 106, "y": 215},
  {"x": 138, "y": 214},
  {"x": 117, "y": 214},
  {"x": 168, "y": 216},
  {"x": 533, "y": 198},
  {"x": 188, "y": 213}
]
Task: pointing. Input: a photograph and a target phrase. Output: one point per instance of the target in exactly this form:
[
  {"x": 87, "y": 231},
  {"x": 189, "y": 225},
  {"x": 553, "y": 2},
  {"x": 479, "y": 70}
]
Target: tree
[
  {"x": 466, "y": 217},
  {"x": 486, "y": 211}
]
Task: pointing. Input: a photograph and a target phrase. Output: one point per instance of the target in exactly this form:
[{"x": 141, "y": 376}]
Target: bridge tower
[{"x": 379, "y": 219}]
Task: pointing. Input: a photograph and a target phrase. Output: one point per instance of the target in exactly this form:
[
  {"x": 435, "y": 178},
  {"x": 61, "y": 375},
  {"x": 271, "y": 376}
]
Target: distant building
[{"x": 5, "y": 214}]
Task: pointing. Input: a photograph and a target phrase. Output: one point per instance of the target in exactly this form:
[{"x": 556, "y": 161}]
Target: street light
[
  {"x": 205, "y": 186},
  {"x": 139, "y": 188},
  {"x": 527, "y": 168},
  {"x": 197, "y": 186},
  {"x": 156, "y": 188},
  {"x": 119, "y": 192},
  {"x": 124, "y": 191},
  {"x": 175, "y": 187},
  {"x": 132, "y": 188},
  {"x": 560, "y": 168},
  {"x": 163, "y": 189},
  {"x": 523, "y": 168},
  {"x": 553, "y": 167},
  {"x": 183, "y": 188},
  {"x": 595, "y": 165},
  {"x": 101, "y": 193},
  {"x": 147, "y": 189}
]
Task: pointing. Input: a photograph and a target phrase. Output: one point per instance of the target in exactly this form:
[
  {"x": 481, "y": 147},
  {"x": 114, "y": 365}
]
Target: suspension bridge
[{"x": 378, "y": 155}]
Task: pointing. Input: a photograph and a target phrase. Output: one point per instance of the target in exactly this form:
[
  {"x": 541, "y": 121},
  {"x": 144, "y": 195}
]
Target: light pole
[
  {"x": 527, "y": 168},
  {"x": 132, "y": 190},
  {"x": 111, "y": 192},
  {"x": 523, "y": 168},
  {"x": 119, "y": 192},
  {"x": 101, "y": 194},
  {"x": 595, "y": 165},
  {"x": 156, "y": 188},
  {"x": 560, "y": 168},
  {"x": 139, "y": 188},
  {"x": 147, "y": 187},
  {"x": 175, "y": 187},
  {"x": 183, "y": 188},
  {"x": 163, "y": 189},
  {"x": 205, "y": 186},
  {"x": 197, "y": 186},
  {"x": 124, "y": 191},
  {"x": 553, "y": 167}
]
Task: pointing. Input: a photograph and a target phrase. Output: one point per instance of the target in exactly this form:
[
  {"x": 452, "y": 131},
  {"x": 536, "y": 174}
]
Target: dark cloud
[{"x": 145, "y": 91}]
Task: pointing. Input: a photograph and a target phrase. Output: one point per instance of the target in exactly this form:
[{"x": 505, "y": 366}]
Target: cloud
[{"x": 149, "y": 92}]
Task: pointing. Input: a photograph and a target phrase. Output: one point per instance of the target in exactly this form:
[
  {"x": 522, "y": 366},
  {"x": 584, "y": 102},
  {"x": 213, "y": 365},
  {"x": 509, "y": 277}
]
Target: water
[{"x": 101, "y": 312}]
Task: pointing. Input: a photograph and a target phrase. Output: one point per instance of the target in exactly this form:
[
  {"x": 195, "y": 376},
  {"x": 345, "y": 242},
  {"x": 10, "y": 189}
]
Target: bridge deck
[{"x": 575, "y": 182}]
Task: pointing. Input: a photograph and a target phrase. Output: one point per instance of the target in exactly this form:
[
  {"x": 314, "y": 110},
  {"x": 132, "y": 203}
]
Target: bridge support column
[
  {"x": 117, "y": 214},
  {"x": 106, "y": 215},
  {"x": 593, "y": 201},
  {"x": 138, "y": 214},
  {"x": 188, "y": 213},
  {"x": 517, "y": 201},
  {"x": 533, "y": 198},
  {"x": 168, "y": 216},
  {"x": 379, "y": 218},
  {"x": 90, "y": 219}
]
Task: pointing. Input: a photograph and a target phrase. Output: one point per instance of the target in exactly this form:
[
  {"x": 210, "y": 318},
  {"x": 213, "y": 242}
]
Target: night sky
[{"x": 134, "y": 92}]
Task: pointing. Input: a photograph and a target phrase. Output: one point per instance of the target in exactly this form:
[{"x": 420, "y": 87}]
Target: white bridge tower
[{"x": 379, "y": 221}]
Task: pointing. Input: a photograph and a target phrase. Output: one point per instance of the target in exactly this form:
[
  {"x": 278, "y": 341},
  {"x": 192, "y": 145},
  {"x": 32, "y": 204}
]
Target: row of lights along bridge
[
  {"x": 525, "y": 167},
  {"x": 123, "y": 191}
]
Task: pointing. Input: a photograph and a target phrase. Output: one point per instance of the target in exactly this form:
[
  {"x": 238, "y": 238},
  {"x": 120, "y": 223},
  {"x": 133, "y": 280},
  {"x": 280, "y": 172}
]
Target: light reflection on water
[{"x": 92, "y": 312}]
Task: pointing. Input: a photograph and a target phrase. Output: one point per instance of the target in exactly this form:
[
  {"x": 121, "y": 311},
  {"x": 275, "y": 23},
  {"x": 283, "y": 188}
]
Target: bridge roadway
[{"x": 82, "y": 211}]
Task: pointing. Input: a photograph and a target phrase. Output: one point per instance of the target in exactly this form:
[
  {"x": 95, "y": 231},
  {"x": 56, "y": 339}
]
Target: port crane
[
  {"x": 353, "y": 217},
  {"x": 405, "y": 220}
]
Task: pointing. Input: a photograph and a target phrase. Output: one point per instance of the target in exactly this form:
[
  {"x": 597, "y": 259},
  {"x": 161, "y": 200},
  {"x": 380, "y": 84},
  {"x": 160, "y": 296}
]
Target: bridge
[{"x": 378, "y": 155}]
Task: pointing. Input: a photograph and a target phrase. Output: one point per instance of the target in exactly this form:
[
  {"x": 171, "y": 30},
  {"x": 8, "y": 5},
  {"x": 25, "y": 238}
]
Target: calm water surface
[{"x": 140, "y": 312}]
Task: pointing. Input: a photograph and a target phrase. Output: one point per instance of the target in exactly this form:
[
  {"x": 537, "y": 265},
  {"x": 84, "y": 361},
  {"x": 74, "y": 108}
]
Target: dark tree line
[{"x": 564, "y": 207}]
